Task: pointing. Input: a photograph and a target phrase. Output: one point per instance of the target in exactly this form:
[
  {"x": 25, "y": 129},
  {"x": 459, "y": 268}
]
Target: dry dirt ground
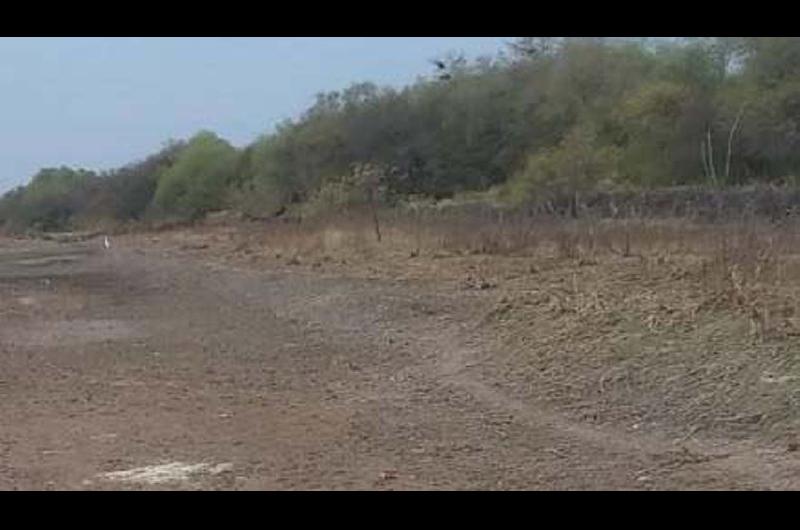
[{"x": 168, "y": 363}]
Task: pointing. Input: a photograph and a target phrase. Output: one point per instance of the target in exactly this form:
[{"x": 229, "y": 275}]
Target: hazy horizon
[{"x": 99, "y": 103}]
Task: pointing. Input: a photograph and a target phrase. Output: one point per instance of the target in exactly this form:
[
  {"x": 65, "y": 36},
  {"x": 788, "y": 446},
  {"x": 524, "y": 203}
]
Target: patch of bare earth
[{"x": 220, "y": 358}]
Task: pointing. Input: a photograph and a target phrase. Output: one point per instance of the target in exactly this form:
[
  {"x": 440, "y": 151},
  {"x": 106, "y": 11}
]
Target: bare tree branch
[{"x": 730, "y": 142}]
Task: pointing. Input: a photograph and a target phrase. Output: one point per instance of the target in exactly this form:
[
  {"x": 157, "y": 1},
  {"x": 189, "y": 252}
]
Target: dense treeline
[{"x": 545, "y": 117}]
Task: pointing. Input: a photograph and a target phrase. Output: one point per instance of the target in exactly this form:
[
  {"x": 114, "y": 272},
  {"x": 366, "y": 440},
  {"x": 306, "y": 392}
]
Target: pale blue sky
[{"x": 102, "y": 102}]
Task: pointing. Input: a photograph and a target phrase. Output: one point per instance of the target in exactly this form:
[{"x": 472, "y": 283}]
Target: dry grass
[
  {"x": 670, "y": 324},
  {"x": 749, "y": 267}
]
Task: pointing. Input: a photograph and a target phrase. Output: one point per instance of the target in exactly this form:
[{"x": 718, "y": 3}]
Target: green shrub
[
  {"x": 198, "y": 181},
  {"x": 576, "y": 165}
]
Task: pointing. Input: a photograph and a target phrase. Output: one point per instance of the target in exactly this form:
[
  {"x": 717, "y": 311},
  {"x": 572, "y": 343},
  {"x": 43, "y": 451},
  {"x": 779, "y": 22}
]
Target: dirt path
[{"x": 141, "y": 369}]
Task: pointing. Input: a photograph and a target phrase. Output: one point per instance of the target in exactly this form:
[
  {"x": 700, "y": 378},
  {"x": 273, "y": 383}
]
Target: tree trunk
[
  {"x": 371, "y": 191},
  {"x": 730, "y": 144},
  {"x": 706, "y": 171},
  {"x": 711, "y": 156},
  {"x": 573, "y": 205},
  {"x": 376, "y": 222}
]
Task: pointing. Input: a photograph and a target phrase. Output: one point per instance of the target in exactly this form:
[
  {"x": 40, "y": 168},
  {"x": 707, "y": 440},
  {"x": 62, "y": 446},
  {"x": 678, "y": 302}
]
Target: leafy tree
[
  {"x": 52, "y": 198},
  {"x": 577, "y": 165},
  {"x": 127, "y": 192},
  {"x": 545, "y": 117},
  {"x": 198, "y": 180}
]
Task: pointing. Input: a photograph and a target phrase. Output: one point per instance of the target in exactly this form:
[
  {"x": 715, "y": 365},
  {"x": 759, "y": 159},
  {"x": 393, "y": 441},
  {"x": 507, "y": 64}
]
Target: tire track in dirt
[
  {"x": 767, "y": 468},
  {"x": 449, "y": 361}
]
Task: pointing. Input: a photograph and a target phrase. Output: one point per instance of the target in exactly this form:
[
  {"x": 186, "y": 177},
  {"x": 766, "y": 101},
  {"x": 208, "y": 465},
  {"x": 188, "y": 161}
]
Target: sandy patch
[{"x": 164, "y": 473}]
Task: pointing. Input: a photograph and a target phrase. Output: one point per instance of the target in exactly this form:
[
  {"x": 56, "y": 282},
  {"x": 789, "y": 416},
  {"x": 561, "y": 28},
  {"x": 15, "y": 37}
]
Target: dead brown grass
[{"x": 671, "y": 324}]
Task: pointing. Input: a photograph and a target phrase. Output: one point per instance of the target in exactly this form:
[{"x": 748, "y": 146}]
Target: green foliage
[
  {"x": 124, "y": 194},
  {"x": 10, "y": 208},
  {"x": 363, "y": 187},
  {"x": 771, "y": 61},
  {"x": 769, "y": 143},
  {"x": 198, "y": 180},
  {"x": 577, "y": 164},
  {"x": 663, "y": 123},
  {"x": 551, "y": 116},
  {"x": 132, "y": 188},
  {"x": 51, "y": 200},
  {"x": 347, "y": 193}
]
